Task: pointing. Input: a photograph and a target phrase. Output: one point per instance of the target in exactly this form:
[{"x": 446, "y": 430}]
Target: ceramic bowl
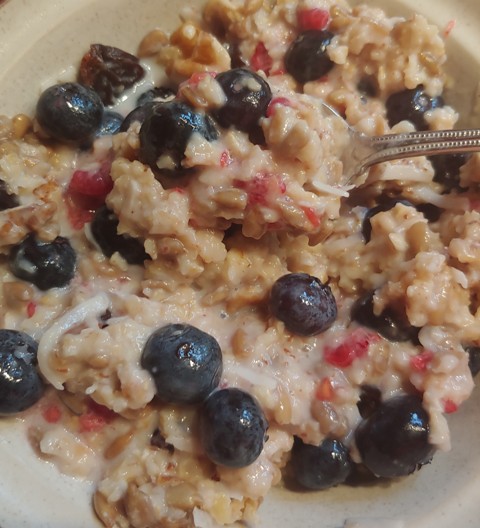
[{"x": 42, "y": 41}]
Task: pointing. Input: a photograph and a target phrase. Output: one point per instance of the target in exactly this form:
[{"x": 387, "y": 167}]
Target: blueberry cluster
[
  {"x": 186, "y": 365},
  {"x": 185, "y": 362},
  {"x": 392, "y": 441}
]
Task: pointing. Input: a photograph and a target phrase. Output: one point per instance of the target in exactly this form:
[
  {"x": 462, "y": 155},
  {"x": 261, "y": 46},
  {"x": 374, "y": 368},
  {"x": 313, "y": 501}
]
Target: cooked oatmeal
[{"x": 201, "y": 237}]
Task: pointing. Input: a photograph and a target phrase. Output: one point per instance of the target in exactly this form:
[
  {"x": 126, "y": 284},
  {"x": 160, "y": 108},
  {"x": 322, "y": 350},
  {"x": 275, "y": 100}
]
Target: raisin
[{"x": 109, "y": 71}]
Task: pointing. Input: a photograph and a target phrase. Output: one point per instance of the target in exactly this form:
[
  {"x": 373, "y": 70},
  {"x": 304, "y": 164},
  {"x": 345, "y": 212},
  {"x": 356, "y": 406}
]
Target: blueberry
[
  {"x": 368, "y": 87},
  {"x": 369, "y": 400},
  {"x": 307, "y": 58},
  {"x": 45, "y": 264},
  {"x": 104, "y": 230},
  {"x": 385, "y": 205},
  {"x": 111, "y": 123},
  {"x": 430, "y": 212},
  {"x": 393, "y": 441},
  {"x": 232, "y": 428},
  {"x": 70, "y": 113},
  {"x": 447, "y": 169},
  {"x": 20, "y": 383},
  {"x": 185, "y": 362},
  {"x": 473, "y": 359},
  {"x": 155, "y": 95},
  {"x": 320, "y": 467},
  {"x": 411, "y": 105},
  {"x": 7, "y": 199},
  {"x": 165, "y": 133},
  {"x": 138, "y": 114},
  {"x": 391, "y": 323},
  {"x": 247, "y": 98},
  {"x": 303, "y": 303},
  {"x": 158, "y": 440}
]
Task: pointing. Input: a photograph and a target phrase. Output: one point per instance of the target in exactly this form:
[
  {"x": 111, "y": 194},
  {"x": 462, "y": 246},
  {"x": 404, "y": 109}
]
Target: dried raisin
[{"x": 109, "y": 71}]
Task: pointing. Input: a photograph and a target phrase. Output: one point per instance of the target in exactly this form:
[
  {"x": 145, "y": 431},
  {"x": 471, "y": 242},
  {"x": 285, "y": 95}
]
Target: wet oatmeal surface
[{"x": 196, "y": 304}]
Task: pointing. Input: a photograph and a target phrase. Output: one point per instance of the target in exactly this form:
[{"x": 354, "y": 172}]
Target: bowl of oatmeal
[{"x": 202, "y": 322}]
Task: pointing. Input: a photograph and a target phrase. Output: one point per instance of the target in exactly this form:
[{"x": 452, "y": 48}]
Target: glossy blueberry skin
[
  {"x": 411, "y": 105},
  {"x": 303, "y": 303},
  {"x": 7, "y": 199},
  {"x": 45, "y": 264},
  {"x": 244, "y": 106},
  {"x": 473, "y": 359},
  {"x": 104, "y": 230},
  {"x": 111, "y": 123},
  {"x": 20, "y": 383},
  {"x": 167, "y": 130},
  {"x": 155, "y": 95},
  {"x": 306, "y": 58},
  {"x": 386, "y": 205},
  {"x": 138, "y": 114},
  {"x": 232, "y": 428},
  {"x": 447, "y": 169},
  {"x": 393, "y": 441},
  {"x": 70, "y": 113},
  {"x": 391, "y": 324},
  {"x": 185, "y": 363},
  {"x": 430, "y": 212},
  {"x": 320, "y": 467},
  {"x": 145, "y": 103},
  {"x": 369, "y": 401}
]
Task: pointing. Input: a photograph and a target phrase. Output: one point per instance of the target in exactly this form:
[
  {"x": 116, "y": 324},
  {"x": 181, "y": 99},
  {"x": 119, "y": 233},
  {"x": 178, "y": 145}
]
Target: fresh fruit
[
  {"x": 7, "y": 199},
  {"x": 20, "y": 382},
  {"x": 185, "y": 363},
  {"x": 109, "y": 71},
  {"x": 393, "y": 440},
  {"x": 157, "y": 94},
  {"x": 104, "y": 230},
  {"x": 447, "y": 169},
  {"x": 45, "y": 264},
  {"x": 232, "y": 428},
  {"x": 303, "y": 303},
  {"x": 307, "y": 57},
  {"x": 411, "y": 105},
  {"x": 89, "y": 188},
  {"x": 111, "y": 123},
  {"x": 385, "y": 205},
  {"x": 165, "y": 133},
  {"x": 369, "y": 400},
  {"x": 320, "y": 467},
  {"x": 138, "y": 114},
  {"x": 473, "y": 359},
  {"x": 247, "y": 98},
  {"x": 70, "y": 113},
  {"x": 391, "y": 323}
]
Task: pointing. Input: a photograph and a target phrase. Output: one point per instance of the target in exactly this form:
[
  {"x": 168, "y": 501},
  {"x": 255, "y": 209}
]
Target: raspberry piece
[
  {"x": 313, "y": 18},
  {"x": 261, "y": 60},
  {"x": 355, "y": 346}
]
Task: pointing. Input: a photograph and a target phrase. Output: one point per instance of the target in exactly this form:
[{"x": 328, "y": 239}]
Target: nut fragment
[
  {"x": 118, "y": 445},
  {"x": 193, "y": 50},
  {"x": 152, "y": 43},
  {"x": 21, "y": 124}
]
